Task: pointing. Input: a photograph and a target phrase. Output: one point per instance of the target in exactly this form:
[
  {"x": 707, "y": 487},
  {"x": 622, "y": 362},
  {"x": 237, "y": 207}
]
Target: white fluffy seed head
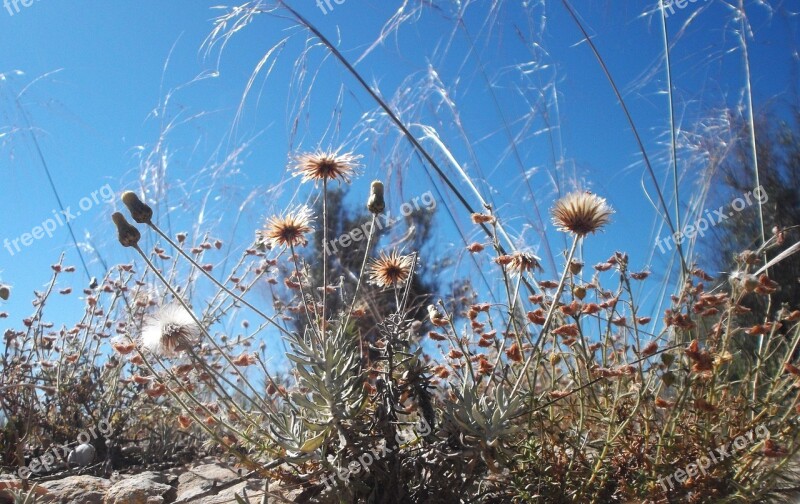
[{"x": 169, "y": 331}]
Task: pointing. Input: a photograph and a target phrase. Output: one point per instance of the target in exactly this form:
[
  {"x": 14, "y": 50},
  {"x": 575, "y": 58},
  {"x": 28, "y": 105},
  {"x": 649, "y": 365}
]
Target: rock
[
  {"x": 81, "y": 456},
  {"x": 201, "y": 479},
  {"x": 218, "y": 484},
  {"x": 144, "y": 488},
  {"x": 226, "y": 496},
  {"x": 76, "y": 490}
]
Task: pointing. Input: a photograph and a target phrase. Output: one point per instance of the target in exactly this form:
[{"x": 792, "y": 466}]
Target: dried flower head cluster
[
  {"x": 324, "y": 166},
  {"x": 288, "y": 229},
  {"x": 522, "y": 262},
  {"x": 581, "y": 213},
  {"x": 390, "y": 269},
  {"x": 170, "y": 330}
]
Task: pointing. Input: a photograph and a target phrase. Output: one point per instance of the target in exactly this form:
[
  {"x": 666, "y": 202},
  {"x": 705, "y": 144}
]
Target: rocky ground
[{"x": 206, "y": 482}]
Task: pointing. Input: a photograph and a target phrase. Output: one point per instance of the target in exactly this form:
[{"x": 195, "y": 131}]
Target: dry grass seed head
[
  {"x": 288, "y": 229},
  {"x": 581, "y": 213},
  {"x": 323, "y": 166},
  {"x": 390, "y": 269}
]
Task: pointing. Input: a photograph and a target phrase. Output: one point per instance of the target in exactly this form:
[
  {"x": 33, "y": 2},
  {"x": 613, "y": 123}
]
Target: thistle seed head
[
  {"x": 170, "y": 330},
  {"x": 581, "y": 213},
  {"x": 324, "y": 166},
  {"x": 390, "y": 269}
]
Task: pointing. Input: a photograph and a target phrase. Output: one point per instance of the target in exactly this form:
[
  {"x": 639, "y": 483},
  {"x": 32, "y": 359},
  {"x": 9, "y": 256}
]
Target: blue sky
[{"x": 96, "y": 75}]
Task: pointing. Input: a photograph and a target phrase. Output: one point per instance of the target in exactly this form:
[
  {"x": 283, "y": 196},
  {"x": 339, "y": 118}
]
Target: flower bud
[
  {"x": 128, "y": 234},
  {"x": 376, "y": 203},
  {"x": 575, "y": 266},
  {"x": 140, "y": 211},
  {"x": 5, "y": 292},
  {"x": 579, "y": 292}
]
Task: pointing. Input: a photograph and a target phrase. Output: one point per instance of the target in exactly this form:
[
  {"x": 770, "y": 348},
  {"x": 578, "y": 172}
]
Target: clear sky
[{"x": 110, "y": 88}]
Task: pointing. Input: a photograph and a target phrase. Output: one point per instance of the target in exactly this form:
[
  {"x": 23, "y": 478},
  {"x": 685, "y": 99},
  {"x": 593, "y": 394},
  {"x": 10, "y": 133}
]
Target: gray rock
[
  {"x": 81, "y": 456},
  {"x": 76, "y": 490},
  {"x": 144, "y": 488},
  {"x": 201, "y": 479},
  {"x": 217, "y": 483}
]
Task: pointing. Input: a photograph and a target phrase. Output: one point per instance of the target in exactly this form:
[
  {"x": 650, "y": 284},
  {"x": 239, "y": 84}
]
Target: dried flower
[
  {"x": 128, "y": 235},
  {"x": 514, "y": 353},
  {"x": 156, "y": 390},
  {"x": 123, "y": 348},
  {"x": 376, "y": 203},
  {"x": 537, "y": 316},
  {"x": 663, "y": 403},
  {"x": 479, "y": 218},
  {"x": 570, "y": 330},
  {"x": 522, "y": 262},
  {"x": 559, "y": 394},
  {"x": 650, "y": 349},
  {"x": 437, "y": 319},
  {"x": 484, "y": 367},
  {"x": 575, "y": 266},
  {"x": 288, "y": 229},
  {"x": 244, "y": 360},
  {"x": 504, "y": 260},
  {"x": 326, "y": 166},
  {"x": 390, "y": 269},
  {"x": 170, "y": 330},
  {"x": 435, "y": 336},
  {"x": 5, "y": 292},
  {"x": 475, "y": 247},
  {"x": 140, "y": 211},
  {"x": 455, "y": 354},
  {"x": 581, "y": 213}
]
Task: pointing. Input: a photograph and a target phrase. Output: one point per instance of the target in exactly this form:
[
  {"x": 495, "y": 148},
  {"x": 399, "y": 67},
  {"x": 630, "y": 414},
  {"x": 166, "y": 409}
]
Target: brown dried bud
[
  {"x": 575, "y": 266},
  {"x": 128, "y": 234},
  {"x": 376, "y": 203},
  {"x": 579, "y": 292},
  {"x": 436, "y": 318},
  {"x": 750, "y": 283},
  {"x": 5, "y": 292},
  {"x": 140, "y": 211}
]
